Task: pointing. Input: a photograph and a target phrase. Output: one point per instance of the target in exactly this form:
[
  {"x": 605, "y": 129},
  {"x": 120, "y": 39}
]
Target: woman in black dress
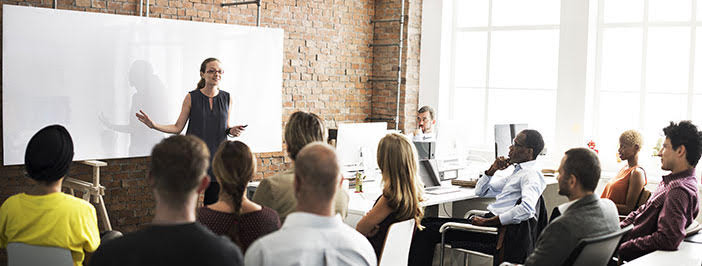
[{"x": 208, "y": 110}]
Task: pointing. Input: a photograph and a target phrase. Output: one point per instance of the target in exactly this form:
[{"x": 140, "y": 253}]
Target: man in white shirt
[
  {"x": 425, "y": 124},
  {"x": 313, "y": 235}
]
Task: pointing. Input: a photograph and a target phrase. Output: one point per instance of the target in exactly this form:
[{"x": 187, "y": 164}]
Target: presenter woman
[{"x": 208, "y": 110}]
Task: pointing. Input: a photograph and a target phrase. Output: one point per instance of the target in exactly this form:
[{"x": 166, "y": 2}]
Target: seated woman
[
  {"x": 234, "y": 214},
  {"x": 402, "y": 190},
  {"x": 44, "y": 216},
  {"x": 625, "y": 189}
]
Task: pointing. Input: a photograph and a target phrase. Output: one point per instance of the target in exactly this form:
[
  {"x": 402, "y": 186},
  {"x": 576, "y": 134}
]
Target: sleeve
[
  {"x": 90, "y": 230},
  {"x": 553, "y": 246},
  {"x": 630, "y": 218},
  {"x": 532, "y": 186},
  {"x": 254, "y": 255},
  {"x": 264, "y": 194},
  {"x": 3, "y": 226},
  {"x": 485, "y": 188},
  {"x": 671, "y": 227}
]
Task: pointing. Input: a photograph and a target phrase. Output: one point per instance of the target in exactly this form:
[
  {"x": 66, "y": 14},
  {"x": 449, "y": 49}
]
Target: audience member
[
  {"x": 585, "y": 215},
  {"x": 425, "y": 124},
  {"x": 44, "y": 216},
  {"x": 625, "y": 190},
  {"x": 276, "y": 192},
  {"x": 234, "y": 214},
  {"x": 660, "y": 223},
  {"x": 178, "y": 175},
  {"x": 402, "y": 190},
  {"x": 313, "y": 235}
]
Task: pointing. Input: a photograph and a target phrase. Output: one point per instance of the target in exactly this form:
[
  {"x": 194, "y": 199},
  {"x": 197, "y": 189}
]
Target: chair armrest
[
  {"x": 467, "y": 227},
  {"x": 693, "y": 228},
  {"x": 622, "y": 217},
  {"x": 475, "y": 212}
]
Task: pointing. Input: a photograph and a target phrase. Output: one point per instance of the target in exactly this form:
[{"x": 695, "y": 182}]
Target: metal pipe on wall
[
  {"x": 141, "y": 7},
  {"x": 147, "y": 8},
  {"x": 399, "y": 66},
  {"x": 258, "y": 13}
]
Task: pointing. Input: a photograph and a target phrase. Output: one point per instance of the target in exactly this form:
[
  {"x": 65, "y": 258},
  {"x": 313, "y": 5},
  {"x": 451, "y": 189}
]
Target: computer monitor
[
  {"x": 429, "y": 173},
  {"x": 425, "y": 150},
  {"x": 504, "y": 135},
  {"x": 358, "y": 142}
]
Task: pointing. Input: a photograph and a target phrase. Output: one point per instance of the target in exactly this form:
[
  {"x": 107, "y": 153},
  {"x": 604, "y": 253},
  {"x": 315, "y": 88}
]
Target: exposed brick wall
[
  {"x": 327, "y": 64},
  {"x": 385, "y": 59}
]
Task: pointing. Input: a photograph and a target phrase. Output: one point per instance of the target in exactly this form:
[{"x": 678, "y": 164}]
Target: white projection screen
[{"x": 92, "y": 72}]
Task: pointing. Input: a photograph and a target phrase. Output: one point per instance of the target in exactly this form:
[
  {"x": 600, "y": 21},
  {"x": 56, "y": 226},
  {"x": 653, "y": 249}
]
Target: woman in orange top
[{"x": 625, "y": 188}]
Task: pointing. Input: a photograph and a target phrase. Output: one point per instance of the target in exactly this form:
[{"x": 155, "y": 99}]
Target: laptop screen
[{"x": 429, "y": 172}]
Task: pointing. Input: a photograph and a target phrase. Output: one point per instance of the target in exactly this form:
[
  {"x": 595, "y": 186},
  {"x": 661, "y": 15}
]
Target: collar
[
  {"x": 305, "y": 219},
  {"x": 679, "y": 175},
  {"x": 564, "y": 207},
  {"x": 527, "y": 165}
]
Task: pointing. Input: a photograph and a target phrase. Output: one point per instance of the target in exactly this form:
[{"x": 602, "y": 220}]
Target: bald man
[{"x": 313, "y": 235}]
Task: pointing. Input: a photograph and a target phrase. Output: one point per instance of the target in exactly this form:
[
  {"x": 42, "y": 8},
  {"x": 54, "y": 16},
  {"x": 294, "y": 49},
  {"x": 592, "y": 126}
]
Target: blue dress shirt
[{"x": 525, "y": 182}]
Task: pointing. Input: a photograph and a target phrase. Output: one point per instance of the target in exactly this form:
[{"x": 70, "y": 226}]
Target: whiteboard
[{"x": 92, "y": 72}]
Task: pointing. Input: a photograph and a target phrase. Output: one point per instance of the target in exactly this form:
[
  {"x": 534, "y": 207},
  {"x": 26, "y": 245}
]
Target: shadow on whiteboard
[{"x": 149, "y": 90}]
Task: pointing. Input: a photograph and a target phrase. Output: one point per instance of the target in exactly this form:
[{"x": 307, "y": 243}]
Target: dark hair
[
  {"x": 425, "y": 109},
  {"x": 203, "y": 68},
  {"x": 234, "y": 166},
  {"x": 534, "y": 141},
  {"x": 584, "y": 165},
  {"x": 302, "y": 128},
  {"x": 685, "y": 133},
  {"x": 178, "y": 163}
]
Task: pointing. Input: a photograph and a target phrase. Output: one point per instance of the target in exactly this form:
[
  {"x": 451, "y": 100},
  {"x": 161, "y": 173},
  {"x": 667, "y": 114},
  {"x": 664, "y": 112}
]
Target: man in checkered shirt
[{"x": 660, "y": 223}]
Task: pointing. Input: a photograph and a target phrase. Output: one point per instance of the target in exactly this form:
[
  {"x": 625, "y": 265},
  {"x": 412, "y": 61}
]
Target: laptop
[{"x": 429, "y": 172}]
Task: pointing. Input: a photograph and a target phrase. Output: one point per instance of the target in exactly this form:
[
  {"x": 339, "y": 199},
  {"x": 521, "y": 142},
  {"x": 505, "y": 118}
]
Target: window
[
  {"x": 646, "y": 72},
  {"x": 505, "y": 65}
]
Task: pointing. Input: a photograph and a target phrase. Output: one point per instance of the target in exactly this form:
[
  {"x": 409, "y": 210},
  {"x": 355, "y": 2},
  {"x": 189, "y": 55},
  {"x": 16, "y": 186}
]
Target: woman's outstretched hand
[{"x": 145, "y": 119}]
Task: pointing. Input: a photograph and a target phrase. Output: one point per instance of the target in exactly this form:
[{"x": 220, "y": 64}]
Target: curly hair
[
  {"x": 632, "y": 137},
  {"x": 685, "y": 133}
]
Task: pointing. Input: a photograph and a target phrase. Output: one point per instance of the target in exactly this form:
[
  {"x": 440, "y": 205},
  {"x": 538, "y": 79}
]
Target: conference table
[{"x": 688, "y": 254}]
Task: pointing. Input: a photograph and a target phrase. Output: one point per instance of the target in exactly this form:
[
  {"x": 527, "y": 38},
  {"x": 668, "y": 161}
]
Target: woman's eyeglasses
[{"x": 212, "y": 71}]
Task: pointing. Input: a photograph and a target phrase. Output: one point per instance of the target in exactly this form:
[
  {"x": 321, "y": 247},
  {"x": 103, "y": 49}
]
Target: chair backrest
[
  {"x": 397, "y": 243},
  {"x": 20, "y": 254},
  {"x": 596, "y": 251}
]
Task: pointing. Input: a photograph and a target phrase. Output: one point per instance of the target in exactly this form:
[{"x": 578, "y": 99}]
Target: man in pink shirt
[{"x": 660, "y": 223}]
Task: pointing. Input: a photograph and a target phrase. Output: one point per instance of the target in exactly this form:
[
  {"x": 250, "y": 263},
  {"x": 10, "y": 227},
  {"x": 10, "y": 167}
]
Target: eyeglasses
[
  {"x": 212, "y": 71},
  {"x": 518, "y": 145}
]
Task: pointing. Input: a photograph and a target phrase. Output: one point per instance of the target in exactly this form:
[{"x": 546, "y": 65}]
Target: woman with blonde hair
[
  {"x": 402, "y": 190},
  {"x": 625, "y": 189},
  {"x": 234, "y": 214}
]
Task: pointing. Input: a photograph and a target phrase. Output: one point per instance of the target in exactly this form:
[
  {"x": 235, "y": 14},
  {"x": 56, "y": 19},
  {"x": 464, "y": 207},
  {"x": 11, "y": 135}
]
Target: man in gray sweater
[{"x": 585, "y": 215}]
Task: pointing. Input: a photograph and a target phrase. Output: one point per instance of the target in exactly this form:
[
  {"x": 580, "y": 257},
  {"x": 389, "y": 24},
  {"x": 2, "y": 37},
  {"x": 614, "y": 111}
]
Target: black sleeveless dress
[
  {"x": 378, "y": 240},
  {"x": 209, "y": 124}
]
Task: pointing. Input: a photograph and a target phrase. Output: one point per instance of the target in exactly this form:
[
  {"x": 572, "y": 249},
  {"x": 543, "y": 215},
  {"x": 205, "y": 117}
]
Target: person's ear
[
  {"x": 572, "y": 181},
  {"x": 204, "y": 183},
  {"x": 296, "y": 184},
  {"x": 681, "y": 151}
]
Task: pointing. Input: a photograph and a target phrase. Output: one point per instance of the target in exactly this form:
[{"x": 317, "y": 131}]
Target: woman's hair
[
  {"x": 302, "y": 128},
  {"x": 203, "y": 68},
  {"x": 234, "y": 166},
  {"x": 397, "y": 160},
  {"x": 632, "y": 137}
]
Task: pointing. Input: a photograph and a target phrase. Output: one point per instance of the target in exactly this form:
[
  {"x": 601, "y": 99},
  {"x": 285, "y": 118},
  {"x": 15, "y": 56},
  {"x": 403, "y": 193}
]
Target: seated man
[
  {"x": 313, "y": 235},
  {"x": 660, "y": 223},
  {"x": 178, "y": 175},
  {"x": 425, "y": 124},
  {"x": 276, "y": 192},
  {"x": 44, "y": 216},
  {"x": 585, "y": 215},
  {"x": 516, "y": 198}
]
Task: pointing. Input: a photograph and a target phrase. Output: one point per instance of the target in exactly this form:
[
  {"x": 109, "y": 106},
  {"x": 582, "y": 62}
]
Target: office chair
[
  {"x": 507, "y": 241},
  {"x": 21, "y": 254},
  {"x": 397, "y": 243},
  {"x": 597, "y": 250}
]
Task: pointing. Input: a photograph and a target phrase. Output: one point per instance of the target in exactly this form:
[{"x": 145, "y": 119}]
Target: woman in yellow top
[
  {"x": 402, "y": 190},
  {"x": 624, "y": 189},
  {"x": 44, "y": 216}
]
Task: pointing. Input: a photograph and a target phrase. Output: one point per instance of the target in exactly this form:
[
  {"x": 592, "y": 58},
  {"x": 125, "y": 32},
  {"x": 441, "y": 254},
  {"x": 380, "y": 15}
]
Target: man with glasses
[
  {"x": 516, "y": 203},
  {"x": 660, "y": 223},
  {"x": 425, "y": 124}
]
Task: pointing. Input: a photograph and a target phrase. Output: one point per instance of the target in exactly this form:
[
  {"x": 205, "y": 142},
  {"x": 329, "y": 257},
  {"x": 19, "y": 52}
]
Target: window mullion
[{"x": 644, "y": 51}]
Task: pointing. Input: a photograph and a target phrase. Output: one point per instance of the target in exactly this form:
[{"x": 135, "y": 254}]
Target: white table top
[{"x": 688, "y": 254}]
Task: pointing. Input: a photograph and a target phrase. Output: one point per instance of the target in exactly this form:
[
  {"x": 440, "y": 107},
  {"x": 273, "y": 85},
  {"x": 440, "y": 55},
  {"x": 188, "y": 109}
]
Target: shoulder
[
  {"x": 77, "y": 204},
  {"x": 11, "y": 202}
]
